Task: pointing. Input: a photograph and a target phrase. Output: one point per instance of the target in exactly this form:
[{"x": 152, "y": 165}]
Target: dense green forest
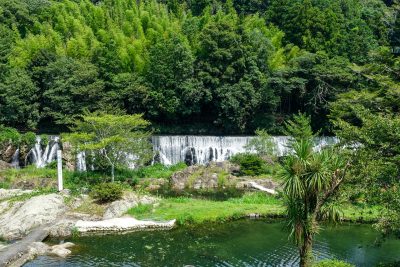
[{"x": 229, "y": 65}]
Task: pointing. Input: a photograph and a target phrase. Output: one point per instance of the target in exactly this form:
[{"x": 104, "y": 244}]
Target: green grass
[
  {"x": 27, "y": 173},
  {"x": 77, "y": 180},
  {"x": 362, "y": 213},
  {"x": 195, "y": 211}
]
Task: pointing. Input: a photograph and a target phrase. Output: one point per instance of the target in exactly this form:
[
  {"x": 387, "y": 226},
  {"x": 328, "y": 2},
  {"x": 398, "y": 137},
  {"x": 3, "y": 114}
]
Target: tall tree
[
  {"x": 19, "y": 101},
  {"x": 310, "y": 182},
  {"x": 368, "y": 118},
  {"x": 121, "y": 140},
  {"x": 174, "y": 89},
  {"x": 70, "y": 87}
]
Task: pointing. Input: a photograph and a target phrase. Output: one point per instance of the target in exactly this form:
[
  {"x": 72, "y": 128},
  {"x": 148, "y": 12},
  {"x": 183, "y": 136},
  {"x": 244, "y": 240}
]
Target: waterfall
[
  {"x": 172, "y": 149},
  {"x": 41, "y": 158},
  {"x": 15, "y": 159},
  {"x": 197, "y": 149},
  {"x": 81, "y": 161},
  {"x": 203, "y": 149}
]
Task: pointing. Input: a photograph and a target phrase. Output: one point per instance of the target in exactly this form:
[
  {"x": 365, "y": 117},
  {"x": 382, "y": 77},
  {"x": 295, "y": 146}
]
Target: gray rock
[
  {"x": 205, "y": 177},
  {"x": 38, "y": 248},
  {"x": 24, "y": 216},
  {"x": 62, "y": 228},
  {"x": 60, "y": 252},
  {"x": 4, "y": 165},
  {"x": 63, "y": 245},
  {"x": 118, "y": 208}
]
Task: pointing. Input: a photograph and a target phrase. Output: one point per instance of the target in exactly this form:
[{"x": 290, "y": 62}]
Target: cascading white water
[
  {"x": 176, "y": 148},
  {"x": 197, "y": 149},
  {"x": 41, "y": 158},
  {"x": 81, "y": 161},
  {"x": 203, "y": 149},
  {"x": 15, "y": 159}
]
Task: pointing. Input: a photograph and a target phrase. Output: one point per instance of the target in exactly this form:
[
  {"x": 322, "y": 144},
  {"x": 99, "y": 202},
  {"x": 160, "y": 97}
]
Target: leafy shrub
[
  {"x": 28, "y": 139},
  {"x": 263, "y": 144},
  {"x": 9, "y": 136},
  {"x": 250, "y": 164},
  {"x": 332, "y": 263},
  {"x": 106, "y": 192}
]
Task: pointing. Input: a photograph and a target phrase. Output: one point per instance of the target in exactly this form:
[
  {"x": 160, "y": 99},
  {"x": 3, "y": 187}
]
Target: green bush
[
  {"x": 9, "y": 135},
  {"x": 106, "y": 192},
  {"x": 332, "y": 263},
  {"x": 28, "y": 139},
  {"x": 250, "y": 164},
  {"x": 159, "y": 171}
]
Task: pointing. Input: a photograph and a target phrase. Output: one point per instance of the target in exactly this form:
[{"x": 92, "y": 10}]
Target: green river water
[{"x": 239, "y": 243}]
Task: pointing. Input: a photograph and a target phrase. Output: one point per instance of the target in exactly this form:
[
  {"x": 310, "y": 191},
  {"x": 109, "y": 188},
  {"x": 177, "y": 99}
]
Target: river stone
[
  {"x": 63, "y": 245},
  {"x": 60, "y": 252},
  {"x": 38, "y": 248},
  {"x": 24, "y": 216}
]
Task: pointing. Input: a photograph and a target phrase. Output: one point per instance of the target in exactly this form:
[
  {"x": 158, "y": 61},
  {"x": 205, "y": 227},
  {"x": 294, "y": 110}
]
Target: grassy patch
[
  {"x": 39, "y": 178},
  {"x": 90, "y": 206},
  {"x": 27, "y": 196},
  {"x": 361, "y": 213},
  {"x": 188, "y": 210},
  {"x": 142, "y": 209},
  {"x": 8, "y": 176},
  {"x": 194, "y": 211}
]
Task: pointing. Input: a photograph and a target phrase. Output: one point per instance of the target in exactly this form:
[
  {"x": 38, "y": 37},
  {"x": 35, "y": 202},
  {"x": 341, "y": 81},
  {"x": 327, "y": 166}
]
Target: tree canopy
[
  {"x": 234, "y": 66},
  {"x": 112, "y": 140}
]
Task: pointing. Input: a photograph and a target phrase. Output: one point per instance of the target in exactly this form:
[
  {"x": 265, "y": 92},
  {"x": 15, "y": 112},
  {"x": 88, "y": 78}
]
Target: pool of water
[{"x": 240, "y": 243}]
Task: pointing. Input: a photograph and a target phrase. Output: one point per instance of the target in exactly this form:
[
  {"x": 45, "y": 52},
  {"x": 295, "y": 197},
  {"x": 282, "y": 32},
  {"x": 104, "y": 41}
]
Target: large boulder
[
  {"x": 7, "y": 153},
  {"x": 22, "y": 217},
  {"x": 118, "y": 208},
  {"x": 212, "y": 176},
  {"x": 218, "y": 175},
  {"x": 152, "y": 184},
  {"x": 4, "y": 165}
]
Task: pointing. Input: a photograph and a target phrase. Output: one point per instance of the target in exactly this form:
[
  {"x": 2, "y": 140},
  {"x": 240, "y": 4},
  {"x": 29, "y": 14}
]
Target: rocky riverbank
[{"x": 27, "y": 218}]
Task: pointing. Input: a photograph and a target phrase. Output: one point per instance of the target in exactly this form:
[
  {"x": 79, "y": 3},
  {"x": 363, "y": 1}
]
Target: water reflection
[{"x": 242, "y": 243}]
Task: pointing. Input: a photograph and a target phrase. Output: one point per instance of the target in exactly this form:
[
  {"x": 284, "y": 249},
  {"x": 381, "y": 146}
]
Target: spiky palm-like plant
[{"x": 311, "y": 180}]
